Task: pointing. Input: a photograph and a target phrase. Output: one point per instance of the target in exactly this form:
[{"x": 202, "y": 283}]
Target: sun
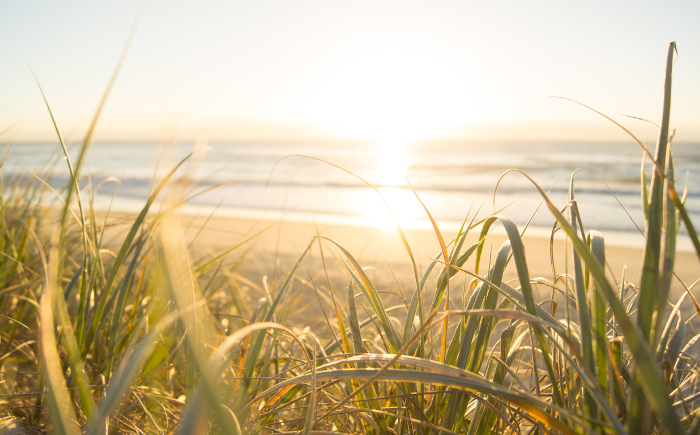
[{"x": 394, "y": 87}]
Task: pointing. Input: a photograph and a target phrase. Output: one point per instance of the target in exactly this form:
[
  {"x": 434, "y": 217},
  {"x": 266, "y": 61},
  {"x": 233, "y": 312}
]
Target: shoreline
[
  {"x": 283, "y": 240},
  {"x": 613, "y": 238}
]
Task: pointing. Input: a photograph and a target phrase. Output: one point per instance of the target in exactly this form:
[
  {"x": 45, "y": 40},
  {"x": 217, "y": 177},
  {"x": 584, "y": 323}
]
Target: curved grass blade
[
  {"x": 254, "y": 354},
  {"x": 402, "y": 235},
  {"x": 74, "y": 171},
  {"x": 649, "y": 282},
  {"x": 586, "y": 374},
  {"x": 214, "y": 368},
  {"x": 127, "y": 372},
  {"x": 75, "y": 360},
  {"x": 446, "y": 271},
  {"x": 424, "y": 328},
  {"x": 373, "y": 297},
  {"x": 495, "y": 276},
  {"x": 649, "y": 378},
  {"x": 120, "y": 304},
  {"x": 529, "y": 403},
  {"x": 98, "y": 318},
  {"x": 524, "y": 278},
  {"x": 73, "y": 184}
]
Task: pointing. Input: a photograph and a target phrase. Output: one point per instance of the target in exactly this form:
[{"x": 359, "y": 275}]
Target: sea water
[{"x": 329, "y": 181}]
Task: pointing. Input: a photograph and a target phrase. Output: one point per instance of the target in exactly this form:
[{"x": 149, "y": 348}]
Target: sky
[{"x": 363, "y": 69}]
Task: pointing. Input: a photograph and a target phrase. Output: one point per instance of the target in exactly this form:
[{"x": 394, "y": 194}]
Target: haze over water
[{"x": 272, "y": 180}]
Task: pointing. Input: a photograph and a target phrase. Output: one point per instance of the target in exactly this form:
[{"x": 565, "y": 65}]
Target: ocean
[{"x": 455, "y": 180}]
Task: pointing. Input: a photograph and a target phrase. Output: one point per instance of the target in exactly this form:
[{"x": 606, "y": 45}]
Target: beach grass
[{"x": 122, "y": 327}]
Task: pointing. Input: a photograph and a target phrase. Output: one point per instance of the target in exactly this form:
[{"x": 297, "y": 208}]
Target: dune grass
[{"x": 140, "y": 336}]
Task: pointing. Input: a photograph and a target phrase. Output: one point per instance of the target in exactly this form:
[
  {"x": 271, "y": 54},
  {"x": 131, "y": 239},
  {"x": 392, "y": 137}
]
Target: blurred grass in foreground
[{"x": 137, "y": 336}]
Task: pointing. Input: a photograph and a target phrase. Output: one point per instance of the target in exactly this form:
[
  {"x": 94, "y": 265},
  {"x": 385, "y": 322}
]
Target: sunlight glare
[
  {"x": 401, "y": 202},
  {"x": 393, "y": 162},
  {"x": 397, "y": 85}
]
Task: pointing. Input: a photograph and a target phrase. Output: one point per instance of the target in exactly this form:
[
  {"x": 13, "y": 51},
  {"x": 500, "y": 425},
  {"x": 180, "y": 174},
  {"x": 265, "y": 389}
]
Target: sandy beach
[
  {"x": 265, "y": 251},
  {"x": 271, "y": 247},
  {"x": 367, "y": 244}
]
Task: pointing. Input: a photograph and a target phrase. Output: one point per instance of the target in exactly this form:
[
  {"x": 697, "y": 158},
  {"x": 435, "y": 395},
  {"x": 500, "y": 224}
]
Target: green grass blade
[
  {"x": 472, "y": 355},
  {"x": 447, "y": 272},
  {"x": 402, "y": 235},
  {"x": 459, "y": 262},
  {"x": 670, "y": 234},
  {"x": 526, "y": 288},
  {"x": 72, "y": 185},
  {"x": 650, "y": 380},
  {"x": 649, "y": 281},
  {"x": 486, "y": 326},
  {"x": 599, "y": 319},
  {"x": 531, "y": 404},
  {"x": 582, "y": 306},
  {"x": 311, "y": 412},
  {"x": 647, "y": 310},
  {"x": 254, "y": 354},
  {"x": 353, "y": 321},
  {"x": 373, "y": 297},
  {"x": 60, "y": 404},
  {"x": 106, "y": 295},
  {"x": 686, "y": 220},
  {"x": 125, "y": 375},
  {"x": 120, "y": 304},
  {"x": 75, "y": 360}
]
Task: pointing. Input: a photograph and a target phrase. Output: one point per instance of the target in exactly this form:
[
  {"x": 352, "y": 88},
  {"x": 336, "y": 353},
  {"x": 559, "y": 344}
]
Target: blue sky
[{"x": 363, "y": 69}]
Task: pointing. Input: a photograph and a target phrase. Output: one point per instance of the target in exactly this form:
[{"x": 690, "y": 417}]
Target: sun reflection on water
[
  {"x": 393, "y": 162},
  {"x": 392, "y": 165}
]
